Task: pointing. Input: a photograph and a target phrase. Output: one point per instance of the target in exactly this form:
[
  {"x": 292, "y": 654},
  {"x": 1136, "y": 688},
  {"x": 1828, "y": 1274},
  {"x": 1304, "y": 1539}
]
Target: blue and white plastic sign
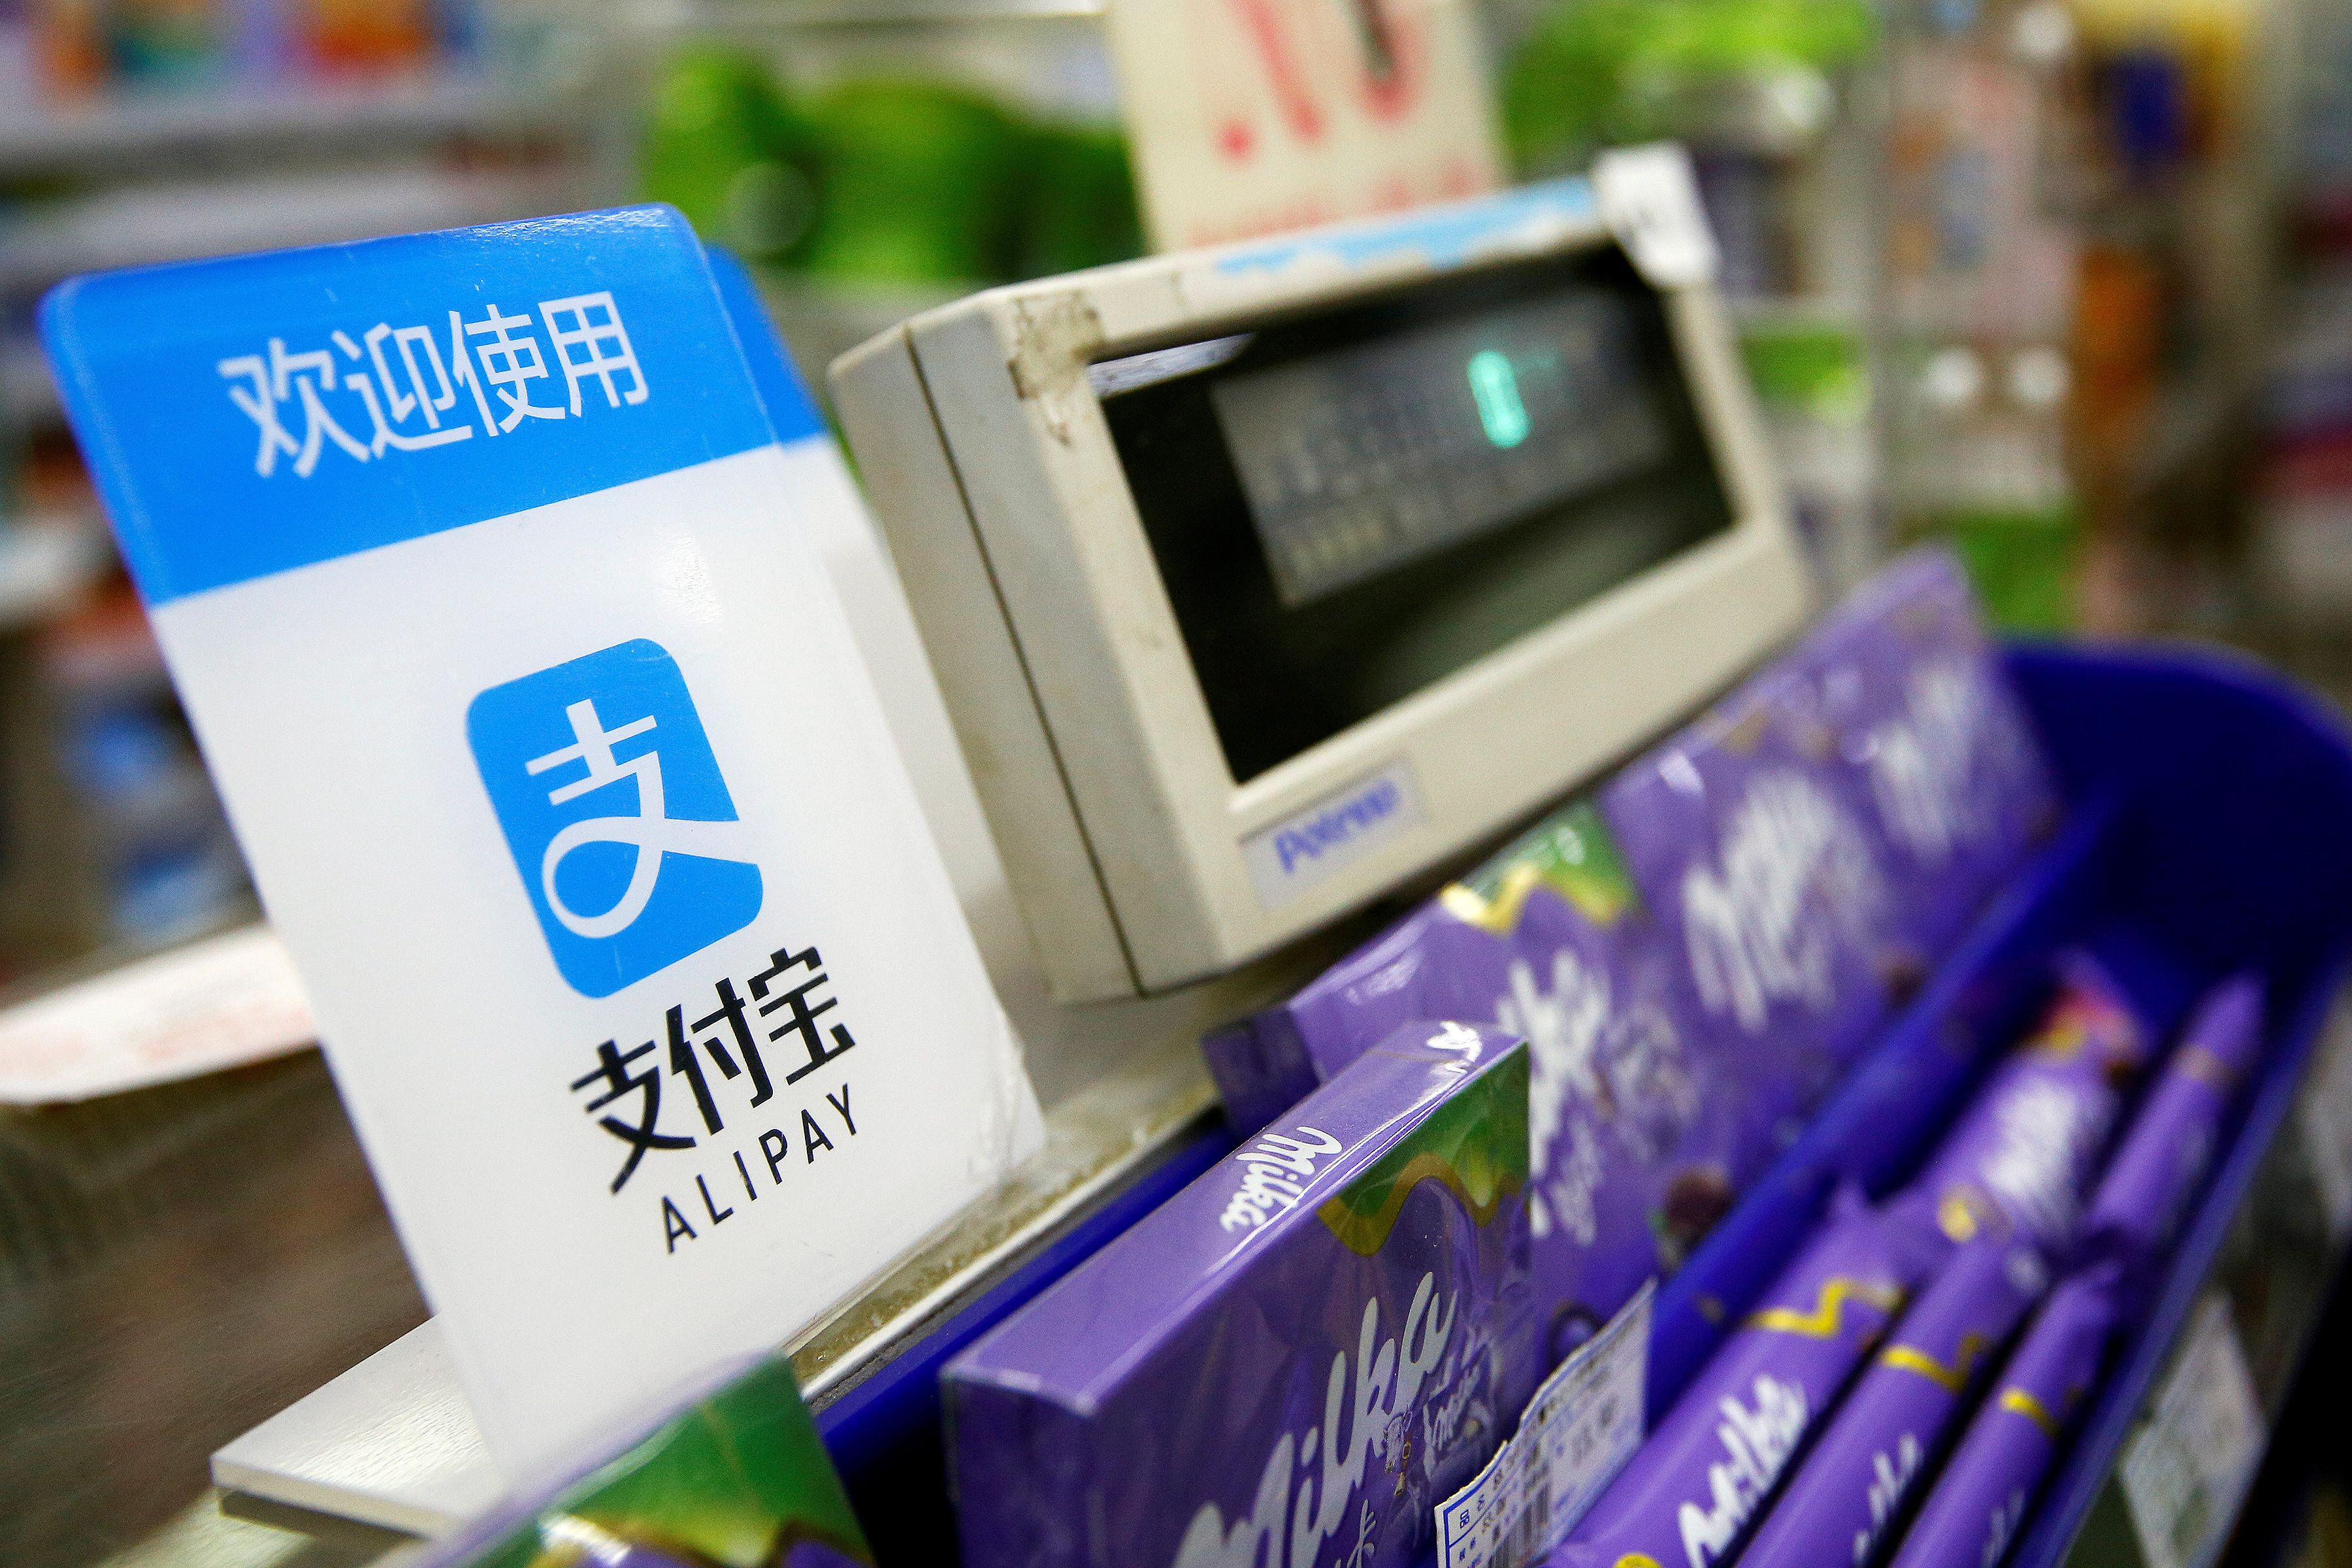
[{"x": 484, "y": 564}]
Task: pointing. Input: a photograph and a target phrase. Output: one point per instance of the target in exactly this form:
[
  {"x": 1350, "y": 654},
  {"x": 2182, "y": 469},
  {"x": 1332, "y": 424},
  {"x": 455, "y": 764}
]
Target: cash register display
[{"x": 1348, "y": 507}]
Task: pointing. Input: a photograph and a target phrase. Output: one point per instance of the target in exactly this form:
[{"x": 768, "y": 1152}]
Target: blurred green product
[
  {"x": 1596, "y": 72},
  {"x": 2023, "y": 560},
  {"x": 739, "y": 1480},
  {"x": 1081, "y": 207},
  {"x": 886, "y": 181},
  {"x": 923, "y": 184},
  {"x": 726, "y": 150},
  {"x": 1816, "y": 369}
]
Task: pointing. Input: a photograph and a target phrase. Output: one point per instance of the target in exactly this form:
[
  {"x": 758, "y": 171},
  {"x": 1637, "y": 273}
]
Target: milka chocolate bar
[
  {"x": 1972, "y": 1513},
  {"x": 1701, "y": 1480},
  {"x": 1928, "y": 731},
  {"x": 1290, "y": 1360},
  {"x": 1886, "y": 1437},
  {"x": 1633, "y": 1149},
  {"x": 1767, "y": 888},
  {"x": 2169, "y": 1145},
  {"x": 2021, "y": 1159}
]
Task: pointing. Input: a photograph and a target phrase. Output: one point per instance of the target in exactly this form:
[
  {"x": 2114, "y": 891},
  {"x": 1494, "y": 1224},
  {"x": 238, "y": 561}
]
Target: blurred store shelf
[
  {"x": 119, "y": 130},
  {"x": 735, "y": 16},
  {"x": 45, "y": 566},
  {"x": 26, "y": 389},
  {"x": 138, "y": 224}
]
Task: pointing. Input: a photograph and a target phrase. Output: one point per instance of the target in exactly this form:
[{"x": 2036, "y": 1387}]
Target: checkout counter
[{"x": 1222, "y": 601}]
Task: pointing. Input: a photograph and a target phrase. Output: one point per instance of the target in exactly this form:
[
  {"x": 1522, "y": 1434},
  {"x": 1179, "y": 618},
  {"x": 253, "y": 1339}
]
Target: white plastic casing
[{"x": 1124, "y": 836}]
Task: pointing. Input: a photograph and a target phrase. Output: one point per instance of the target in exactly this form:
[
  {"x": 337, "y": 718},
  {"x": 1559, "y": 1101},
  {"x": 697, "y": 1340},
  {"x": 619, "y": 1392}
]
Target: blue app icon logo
[{"x": 616, "y": 814}]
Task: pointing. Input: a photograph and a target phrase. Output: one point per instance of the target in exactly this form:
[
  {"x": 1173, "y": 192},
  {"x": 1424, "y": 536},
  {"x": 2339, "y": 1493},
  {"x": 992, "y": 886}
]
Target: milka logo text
[
  {"x": 1274, "y": 1173},
  {"x": 1336, "y": 825},
  {"x": 1284, "y": 1531},
  {"x": 1760, "y": 1442},
  {"x": 1924, "y": 763},
  {"x": 1622, "y": 1062},
  {"x": 1795, "y": 876},
  {"x": 1890, "y": 1482},
  {"x": 2049, "y": 1131}
]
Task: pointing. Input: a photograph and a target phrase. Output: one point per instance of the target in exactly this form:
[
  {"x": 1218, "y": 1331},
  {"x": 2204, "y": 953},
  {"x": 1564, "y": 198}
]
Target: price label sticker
[
  {"x": 1581, "y": 1427},
  {"x": 2185, "y": 1472},
  {"x": 2324, "y": 1113}
]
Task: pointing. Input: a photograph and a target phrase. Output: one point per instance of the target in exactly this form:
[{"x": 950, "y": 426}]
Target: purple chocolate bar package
[
  {"x": 1290, "y": 1360},
  {"x": 1885, "y": 1438},
  {"x": 2053, "y": 1098},
  {"x": 2156, "y": 1171},
  {"x": 1819, "y": 841},
  {"x": 2022, "y": 1158},
  {"x": 1927, "y": 728},
  {"x": 1630, "y": 1153},
  {"x": 1700, "y": 1480},
  {"x": 1767, "y": 888},
  {"x": 1972, "y": 1513},
  {"x": 2170, "y": 1141}
]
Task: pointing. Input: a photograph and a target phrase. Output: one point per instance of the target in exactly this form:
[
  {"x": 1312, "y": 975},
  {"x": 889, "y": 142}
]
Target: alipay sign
[{"x": 483, "y": 568}]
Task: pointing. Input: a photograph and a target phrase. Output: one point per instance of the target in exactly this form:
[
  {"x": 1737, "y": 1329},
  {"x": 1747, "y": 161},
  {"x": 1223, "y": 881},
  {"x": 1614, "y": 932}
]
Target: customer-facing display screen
[
  {"x": 1349, "y": 506},
  {"x": 1359, "y": 460}
]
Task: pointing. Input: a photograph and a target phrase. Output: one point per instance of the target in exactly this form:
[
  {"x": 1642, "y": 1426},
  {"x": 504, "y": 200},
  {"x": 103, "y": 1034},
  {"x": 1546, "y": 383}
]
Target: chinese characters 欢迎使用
[{"x": 397, "y": 389}]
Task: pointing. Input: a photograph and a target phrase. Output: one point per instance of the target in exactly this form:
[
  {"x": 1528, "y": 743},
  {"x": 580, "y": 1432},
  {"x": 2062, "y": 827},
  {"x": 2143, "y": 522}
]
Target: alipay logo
[{"x": 616, "y": 814}]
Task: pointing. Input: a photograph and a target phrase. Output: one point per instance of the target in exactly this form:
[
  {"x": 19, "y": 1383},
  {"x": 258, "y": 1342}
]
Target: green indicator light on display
[{"x": 1497, "y": 389}]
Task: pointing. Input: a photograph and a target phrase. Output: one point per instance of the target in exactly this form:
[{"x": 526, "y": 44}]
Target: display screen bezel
[{"x": 1209, "y": 552}]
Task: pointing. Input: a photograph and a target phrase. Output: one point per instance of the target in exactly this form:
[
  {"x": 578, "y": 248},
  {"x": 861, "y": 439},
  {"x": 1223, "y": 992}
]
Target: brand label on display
[
  {"x": 1310, "y": 846},
  {"x": 632, "y": 865},
  {"x": 483, "y": 571}
]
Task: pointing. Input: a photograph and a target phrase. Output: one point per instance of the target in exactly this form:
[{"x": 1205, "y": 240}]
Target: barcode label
[
  {"x": 1526, "y": 1537},
  {"x": 1581, "y": 1427}
]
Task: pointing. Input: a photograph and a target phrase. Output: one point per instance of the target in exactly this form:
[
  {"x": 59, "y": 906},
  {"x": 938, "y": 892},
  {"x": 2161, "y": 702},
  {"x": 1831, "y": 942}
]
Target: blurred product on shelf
[
  {"x": 723, "y": 148},
  {"x": 2300, "y": 504},
  {"x": 165, "y": 865},
  {"x": 1982, "y": 262},
  {"x": 1809, "y": 362},
  {"x": 2173, "y": 298},
  {"x": 881, "y": 183},
  {"x": 1773, "y": 98},
  {"x": 1752, "y": 73},
  {"x": 80, "y": 49},
  {"x": 868, "y": 196},
  {"x": 738, "y": 1476},
  {"x": 109, "y": 833},
  {"x": 923, "y": 183},
  {"x": 2303, "y": 499}
]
